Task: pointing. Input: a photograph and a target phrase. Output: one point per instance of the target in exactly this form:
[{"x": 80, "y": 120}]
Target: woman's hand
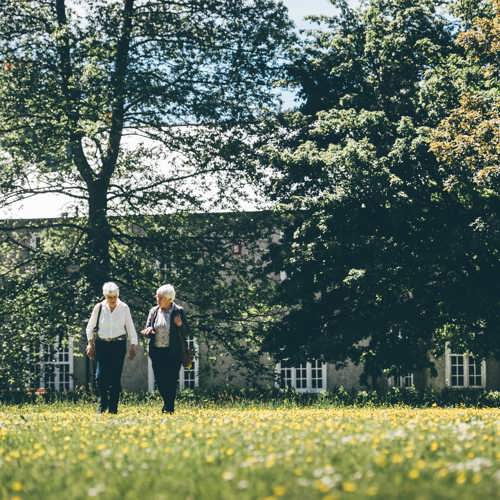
[
  {"x": 178, "y": 320},
  {"x": 148, "y": 331},
  {"x": 132, "y": 351},
  {"x": 90, "y": 350}
]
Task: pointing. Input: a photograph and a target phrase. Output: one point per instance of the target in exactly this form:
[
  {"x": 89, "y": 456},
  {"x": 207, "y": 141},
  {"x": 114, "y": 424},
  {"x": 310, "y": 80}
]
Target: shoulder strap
[{"x": 96, "y": 327}]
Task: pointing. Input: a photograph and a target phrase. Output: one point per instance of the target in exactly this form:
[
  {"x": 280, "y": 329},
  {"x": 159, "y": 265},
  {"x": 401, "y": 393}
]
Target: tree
[
  {"x": 378, "y": 251},
  {"x": 467, "y": 145},
  {"x": 74, "y": 84},
  {"x": 130, "y": 107},
  {"x": 45, "y": 297}
]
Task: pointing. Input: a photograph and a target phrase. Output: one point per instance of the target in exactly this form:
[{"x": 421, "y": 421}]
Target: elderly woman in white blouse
[{"x": 108, "y": 328}]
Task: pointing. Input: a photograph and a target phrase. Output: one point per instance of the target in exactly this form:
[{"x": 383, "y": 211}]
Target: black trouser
[
  {"x": 109, "y": 357},
  {"x": 166, "y": 364}
]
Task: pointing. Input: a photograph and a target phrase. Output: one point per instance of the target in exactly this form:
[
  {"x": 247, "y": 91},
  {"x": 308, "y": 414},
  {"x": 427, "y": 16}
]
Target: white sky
[{"x": 47, "y": 206}]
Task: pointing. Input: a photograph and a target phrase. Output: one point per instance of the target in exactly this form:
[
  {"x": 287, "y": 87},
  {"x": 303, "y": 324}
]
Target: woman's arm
[
  {"x": 92, "y": 323},
  {"x": 148, "y": 329},
  {"x": 130, "y": 327}
]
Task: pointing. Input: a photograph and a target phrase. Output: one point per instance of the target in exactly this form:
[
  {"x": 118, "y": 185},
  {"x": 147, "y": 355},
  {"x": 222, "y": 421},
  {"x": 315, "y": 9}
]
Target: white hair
[
  {"x": 110, "y": 288},
  {"x": 166, "y": 291}
]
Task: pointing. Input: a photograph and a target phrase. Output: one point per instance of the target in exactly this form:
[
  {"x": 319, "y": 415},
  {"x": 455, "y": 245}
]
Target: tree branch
[
  {"x": 118, "y": 89},
  {"x": 71, "y": 97},
  {"x": 38, "y": 227}
]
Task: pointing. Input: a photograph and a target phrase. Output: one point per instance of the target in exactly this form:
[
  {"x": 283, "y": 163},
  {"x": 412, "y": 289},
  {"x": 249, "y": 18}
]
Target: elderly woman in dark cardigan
[{"x": 165, "y": 328}]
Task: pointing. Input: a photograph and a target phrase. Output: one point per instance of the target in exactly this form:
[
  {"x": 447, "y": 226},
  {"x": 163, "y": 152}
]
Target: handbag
[
  {"x": 91, "y": 352},
  {"x": 187, "y": 355}
]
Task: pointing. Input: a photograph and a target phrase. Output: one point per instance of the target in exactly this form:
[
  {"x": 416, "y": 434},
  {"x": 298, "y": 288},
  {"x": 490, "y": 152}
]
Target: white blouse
[{"x": 112, "y": 323}]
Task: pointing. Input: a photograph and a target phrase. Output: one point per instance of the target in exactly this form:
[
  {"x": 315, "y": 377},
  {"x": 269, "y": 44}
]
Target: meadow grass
[{"x": 68, "y": 451}]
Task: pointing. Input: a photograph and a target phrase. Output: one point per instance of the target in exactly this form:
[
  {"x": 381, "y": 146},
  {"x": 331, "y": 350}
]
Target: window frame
[
  {"x": 467, "y": 358},
  {"x": 309, "y": 366},
  {"x": 397, "y": 380},
  {"x": 35, "y": 241},
  {"x": 59, "y": 382}
]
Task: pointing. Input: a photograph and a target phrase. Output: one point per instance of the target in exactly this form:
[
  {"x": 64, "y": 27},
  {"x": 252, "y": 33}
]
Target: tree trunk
[{"x": 98, "y": 269}]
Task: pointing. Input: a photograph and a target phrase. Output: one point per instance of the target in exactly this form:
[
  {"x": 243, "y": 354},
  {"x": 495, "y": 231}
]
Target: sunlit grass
[{"x": 67, "y": 451}]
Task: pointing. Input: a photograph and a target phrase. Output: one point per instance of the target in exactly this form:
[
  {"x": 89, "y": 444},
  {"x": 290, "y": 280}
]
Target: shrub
[{"x": 337, "y": 396}]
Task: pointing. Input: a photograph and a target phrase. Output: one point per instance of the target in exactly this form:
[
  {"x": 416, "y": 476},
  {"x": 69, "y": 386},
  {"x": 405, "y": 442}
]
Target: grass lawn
[{"x": 67, "y": 451}]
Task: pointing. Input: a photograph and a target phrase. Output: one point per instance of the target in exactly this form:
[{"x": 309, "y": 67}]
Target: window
[
  {"x": 164, "y": 269},
  {"x": 457, "y": 370},
  {"x": 56, "y": 365},
  {"x": 464, "y": 370},
  {"x": 35, "y": 241},
  {"x": 188, "y": 378},
  {"x": 475, "y": 372},
  {"x": 306, "y": 377},
  {"x": 402, "y": 381}
]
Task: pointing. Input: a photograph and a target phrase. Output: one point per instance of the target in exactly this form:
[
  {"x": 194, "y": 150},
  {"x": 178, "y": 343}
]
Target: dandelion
[
  {"x": 349, "y": 487},
  {"x": 279, "y": 490},
  {"x": 16, "y": 486},
  {"x": 414, "y": 474}
]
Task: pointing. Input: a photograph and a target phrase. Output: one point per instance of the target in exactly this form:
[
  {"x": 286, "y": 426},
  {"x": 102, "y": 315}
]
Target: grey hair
[
  {"x": 166, "y": 291},
  {"x": 110, "y": 288}
]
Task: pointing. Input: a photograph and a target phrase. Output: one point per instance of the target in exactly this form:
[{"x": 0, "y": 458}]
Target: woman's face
[
  {"x": 111, "y": 300},
  {"x": 163, "y": 301}
]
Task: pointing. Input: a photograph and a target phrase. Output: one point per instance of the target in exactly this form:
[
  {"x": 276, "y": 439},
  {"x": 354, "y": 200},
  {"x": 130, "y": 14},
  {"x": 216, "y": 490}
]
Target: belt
[{"x": 113, "y": 339}]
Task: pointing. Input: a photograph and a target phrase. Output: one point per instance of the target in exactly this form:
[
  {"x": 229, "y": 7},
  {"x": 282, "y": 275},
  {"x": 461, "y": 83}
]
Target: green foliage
[
  {"x": 225, "y": 293},
  {"x": 223, "y": 397},
  {"x": 381, "y": 257},
  {"x": 130, "y": 109}
]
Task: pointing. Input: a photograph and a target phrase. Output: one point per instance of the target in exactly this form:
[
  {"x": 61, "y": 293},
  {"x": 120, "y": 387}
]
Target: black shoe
[
  {"x": 166, "y": 410},
  {"x": 113, "y": 411}
]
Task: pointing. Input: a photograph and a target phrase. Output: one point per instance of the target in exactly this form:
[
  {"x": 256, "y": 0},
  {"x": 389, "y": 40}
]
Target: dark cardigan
[{"x": 178, "y": 343}]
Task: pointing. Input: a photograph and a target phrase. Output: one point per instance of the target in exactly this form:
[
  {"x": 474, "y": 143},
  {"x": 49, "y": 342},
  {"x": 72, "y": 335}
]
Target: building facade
[
  {"x": 63, "y": 365},
  {"x": 63, "y": 369}
]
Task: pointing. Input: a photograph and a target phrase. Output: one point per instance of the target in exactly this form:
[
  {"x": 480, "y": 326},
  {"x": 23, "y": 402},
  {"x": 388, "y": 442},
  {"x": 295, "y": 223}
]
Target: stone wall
[
  {"x": 493, "y": 374},
  {"x": 348, "y": 377},
  {"x": 224, "y": 371}
]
